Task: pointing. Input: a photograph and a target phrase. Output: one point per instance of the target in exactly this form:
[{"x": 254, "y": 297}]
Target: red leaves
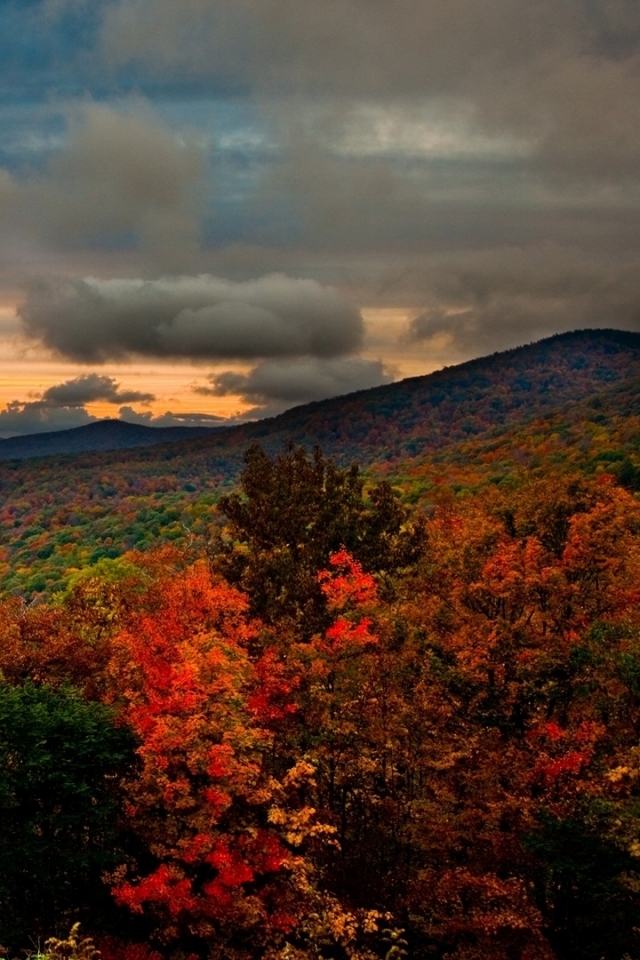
[
  {"x": 193, "y": 698},
  {"x": 571, "y": 762},
  {"x": 164, "y": 886},
  {"x": 221, "y": 828},
  {"x": 271, "y": 698},
  {"x": 346, "y": 584},
  {"x": 349, "y": 591}
]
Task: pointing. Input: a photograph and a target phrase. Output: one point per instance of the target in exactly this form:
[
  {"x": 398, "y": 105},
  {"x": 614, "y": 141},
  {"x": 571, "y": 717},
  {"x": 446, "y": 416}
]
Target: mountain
[
  {"x": 570, "y": 402},
  {"x": 101, "y": 435},
  {"x": 415, "y": 415}
]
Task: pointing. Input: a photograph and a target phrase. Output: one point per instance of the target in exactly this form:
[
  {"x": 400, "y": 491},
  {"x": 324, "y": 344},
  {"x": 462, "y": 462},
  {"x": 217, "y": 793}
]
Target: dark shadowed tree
[
  {"x": 290, "y": 515},
  {"x": 60, "y": 762}
]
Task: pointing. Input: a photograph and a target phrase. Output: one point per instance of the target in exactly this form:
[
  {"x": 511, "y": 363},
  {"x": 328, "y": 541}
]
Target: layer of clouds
[
  {"x": 562, "y": 72},
  {"x": 121, "y": 180},
  {"x": 274, "y": 385},
  {"x": 169, "y": 419},
  {"x": 201, "y": 318},
  {"x": 475, "y": 163},
  {"x": 490, "y": 300},
  {"x": 63, "y": 405}
]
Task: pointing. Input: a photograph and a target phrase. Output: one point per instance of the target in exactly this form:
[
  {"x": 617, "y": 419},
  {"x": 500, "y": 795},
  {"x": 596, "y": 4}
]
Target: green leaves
[
  {"x": 60, "y": 758},
  {"x": 290, "y": 515}
]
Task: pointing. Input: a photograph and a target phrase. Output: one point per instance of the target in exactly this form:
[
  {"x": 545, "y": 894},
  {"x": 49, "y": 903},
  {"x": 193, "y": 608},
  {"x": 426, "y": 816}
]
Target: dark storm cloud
[
  {"x": 201, "y": 317},
  {"x": 299, "y": 381}
]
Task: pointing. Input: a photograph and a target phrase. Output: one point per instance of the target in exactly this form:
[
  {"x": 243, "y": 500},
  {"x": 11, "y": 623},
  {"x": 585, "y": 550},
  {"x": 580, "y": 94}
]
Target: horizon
[{"x": 231, "y": 423}]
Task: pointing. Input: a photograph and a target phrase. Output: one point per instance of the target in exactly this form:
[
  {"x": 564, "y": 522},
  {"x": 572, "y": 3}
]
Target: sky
[{"x": 212, "y": 210}]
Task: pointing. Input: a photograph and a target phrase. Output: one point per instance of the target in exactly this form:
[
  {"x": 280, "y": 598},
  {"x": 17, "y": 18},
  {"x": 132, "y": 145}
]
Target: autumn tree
[
  {"x": 289, "y": 516},
  {"x": 231, "y": 847}
]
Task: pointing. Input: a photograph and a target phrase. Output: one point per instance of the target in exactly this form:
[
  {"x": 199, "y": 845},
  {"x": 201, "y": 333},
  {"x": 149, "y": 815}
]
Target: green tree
[
  {"x": 60, "y": 759},
  {"x": 289, "y": 516}
]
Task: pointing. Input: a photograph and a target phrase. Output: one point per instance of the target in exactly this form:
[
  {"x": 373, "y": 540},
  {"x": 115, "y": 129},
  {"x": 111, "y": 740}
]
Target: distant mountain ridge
[
  {"x": 100, "y": 435},
  {"x": 400, "y": 419}
]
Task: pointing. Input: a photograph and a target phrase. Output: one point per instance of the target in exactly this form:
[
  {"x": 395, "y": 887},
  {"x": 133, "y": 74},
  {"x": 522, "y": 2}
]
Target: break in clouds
[{"x": 64, "y": 406}]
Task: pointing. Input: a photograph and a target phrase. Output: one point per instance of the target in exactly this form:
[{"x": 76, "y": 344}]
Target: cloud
[
  {"x": 476, "y": 164},
  {"x": 201, "y": 318},
  {"x": 500, "y": 298},
  {"x": 63, "y": 406},
  {"x": 169, "y": 419},
  {"x": 37, "y": 417},
  {"x": 274, "y": 385},
  {"x": 563, "y": 73},
  {"x": 90, "y": 388},
  {"x": 121, "y": 181}
]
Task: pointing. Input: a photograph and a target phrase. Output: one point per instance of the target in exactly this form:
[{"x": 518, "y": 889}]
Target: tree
[
  {"x": 290, "y": 515},
  {"x": 230, "y": 872},
  {"x": 60, "y": 762}
]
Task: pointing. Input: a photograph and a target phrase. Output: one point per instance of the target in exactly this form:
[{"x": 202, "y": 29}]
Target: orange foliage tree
[{"x": 232, "y": 846}]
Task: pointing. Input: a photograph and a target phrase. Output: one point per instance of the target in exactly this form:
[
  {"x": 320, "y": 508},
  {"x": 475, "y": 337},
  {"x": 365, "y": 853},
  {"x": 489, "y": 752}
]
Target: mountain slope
[
  {"x": 414, "y": 415},
  {"x": 569, "y": 402}
]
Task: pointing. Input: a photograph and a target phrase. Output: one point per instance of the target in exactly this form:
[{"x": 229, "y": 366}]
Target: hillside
[
  {"x": 101, "y": 435},
  {"x": 569, "y": 402},
  {"x": 418, "y": 414}
]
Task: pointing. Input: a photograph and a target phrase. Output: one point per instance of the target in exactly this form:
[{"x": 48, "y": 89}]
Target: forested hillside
[
  {"x": 258, "y": 702},
  {"x": 101, "y": 435},
  {"x": 569, "y": 402}
]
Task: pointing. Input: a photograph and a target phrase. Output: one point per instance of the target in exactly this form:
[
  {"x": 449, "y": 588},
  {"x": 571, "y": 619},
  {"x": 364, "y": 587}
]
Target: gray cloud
[
  {"x": 122, "y": 181},
  {"x": 90, "y": 388},
  {"x": 504, "y": 297},
  {"x": 37, "y": 417},
  {"x": 561, "y": 73},
  {"x": 476, "y": 163},
  {"x": 63, "y": 406},
  {"x": 274, "y": 385},
  {"x": 201, "y": 317}
]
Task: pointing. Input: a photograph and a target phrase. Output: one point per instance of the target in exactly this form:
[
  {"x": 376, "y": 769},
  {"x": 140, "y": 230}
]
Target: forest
[
  {"x": 307, "y": 709},
  {"x": 338, "y": 727}
]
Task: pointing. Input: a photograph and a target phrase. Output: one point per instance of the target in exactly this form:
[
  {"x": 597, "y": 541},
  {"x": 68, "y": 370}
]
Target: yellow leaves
[
  {"x": 328, "y": 927},
  {"x": 73, "y": 948},
  {"x": 622, "y": 773},
  {"x": 298, "y": 774},
  {"x": 298, "y": 825}
]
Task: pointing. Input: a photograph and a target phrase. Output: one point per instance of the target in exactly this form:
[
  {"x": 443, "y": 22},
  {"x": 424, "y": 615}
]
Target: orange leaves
[
  {"x": 187, "y": 686},
  {"x": 346, "y": 584},
  {"x": 219, "y": 826}
]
